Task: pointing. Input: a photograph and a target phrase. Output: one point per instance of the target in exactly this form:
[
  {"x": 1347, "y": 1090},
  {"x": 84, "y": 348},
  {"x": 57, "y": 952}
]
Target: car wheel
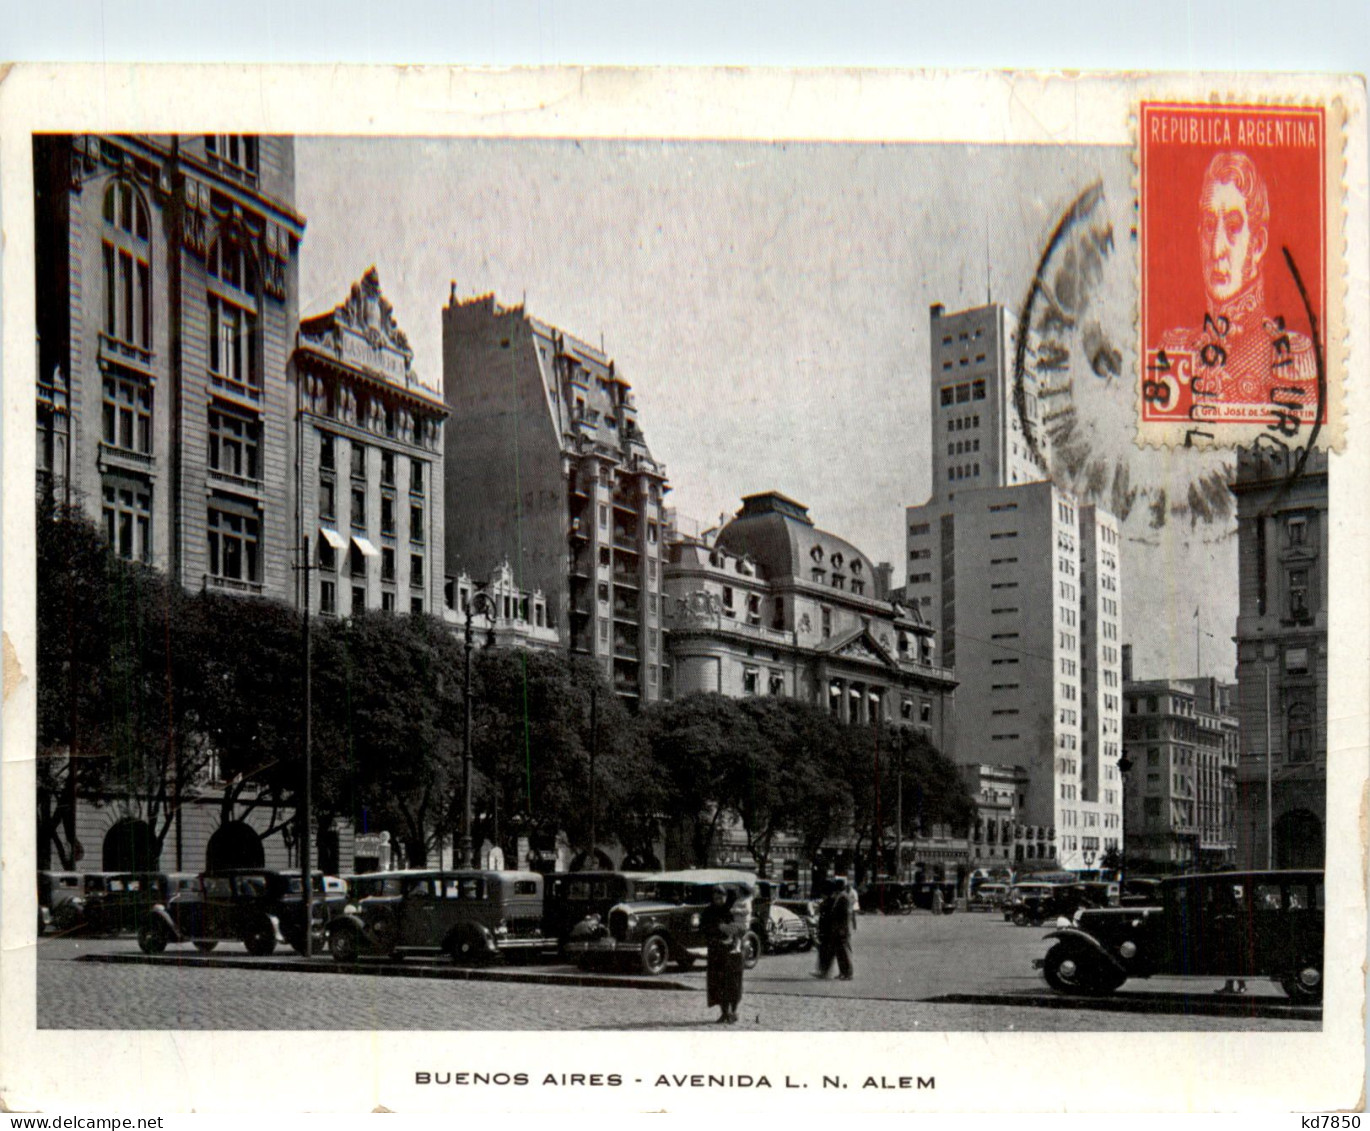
[
  {"x": 654, "y": 956},
  {"x": 1304, "y": 986},
  {"x": 467, "y": 948},
  {"x": 152, "y": 938},
  {"x": 343, "y": 945},
  {"x": 261, "y": 939},
  {"x": 1020, "y": 919},
  {"x": 204, "y": 946},
  {"x": 751, "y": 950},
  {"x": 66, "y": 918},
  {"x": 1069, "y": 971}
]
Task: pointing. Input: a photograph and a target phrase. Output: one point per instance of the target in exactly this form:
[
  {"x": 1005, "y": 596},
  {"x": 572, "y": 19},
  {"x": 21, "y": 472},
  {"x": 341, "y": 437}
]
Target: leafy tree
[
  {"x": 698, "y": 742},
  {"x": 111, "y": 722},
  {"x": 387, "y": 725}
]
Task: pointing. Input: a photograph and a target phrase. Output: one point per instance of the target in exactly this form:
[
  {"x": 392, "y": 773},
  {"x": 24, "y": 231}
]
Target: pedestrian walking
[
  {"x": 723, "y": 980},
  {"x": 836, "y": 921}
]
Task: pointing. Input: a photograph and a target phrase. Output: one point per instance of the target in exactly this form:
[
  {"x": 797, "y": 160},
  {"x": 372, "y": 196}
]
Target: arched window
[
  {"x": 127, "y": 276},
  {"x": 233, "y": 290},
  {"x": 1300, "y": 732}
]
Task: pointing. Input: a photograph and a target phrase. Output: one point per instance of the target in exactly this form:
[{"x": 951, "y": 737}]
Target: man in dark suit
[{"x": 836, "y": 920}]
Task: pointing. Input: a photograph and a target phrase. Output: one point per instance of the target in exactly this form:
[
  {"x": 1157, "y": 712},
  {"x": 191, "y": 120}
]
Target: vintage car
[
  {"x": 806, "y": 909},
  {"x": 987, "y": 897},
  {"x": 469, "y": 914},
  {"x": 932, "y": 895},
  {"x": 661, "y": 924},
  {"x": 1218, "y": 925},
  {"x": 122, "y": 903},
  {"x": 64, "y": 896},
  {"x": 257, "y": 906},
  {"x": 1143, "y": 891},
  {"x": 569, "y": 897},
  {"x": 784, "y": 931},
  {"x": 1033, "y": 903}
]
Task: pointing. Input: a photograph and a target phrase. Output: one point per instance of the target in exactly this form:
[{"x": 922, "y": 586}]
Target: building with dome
[{"x": 771, "y": 605}]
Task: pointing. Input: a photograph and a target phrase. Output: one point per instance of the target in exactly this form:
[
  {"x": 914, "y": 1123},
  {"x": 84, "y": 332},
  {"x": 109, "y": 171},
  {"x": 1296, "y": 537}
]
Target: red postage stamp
[{"x": 1237, "y": 299}]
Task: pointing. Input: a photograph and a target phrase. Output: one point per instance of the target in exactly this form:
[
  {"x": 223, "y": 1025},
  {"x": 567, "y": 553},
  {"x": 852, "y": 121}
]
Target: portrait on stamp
[{"x": 1231, "y": 211}]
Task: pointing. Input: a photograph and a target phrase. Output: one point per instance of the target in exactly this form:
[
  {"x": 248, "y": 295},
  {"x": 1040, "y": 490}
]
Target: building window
[
  {"x": 1300, "y": 732},
  {"x": 328, "y": 499},
  {"x": 328, "y": 557},
  {"x": 127, "y": 415},
  {"x": 416, "y": 476},
  {"x": 416, "y": 606},
  {"x": 1298, "y": 593},
  {"x": 387, "y": 600},
  {"x": 358, "y": 460},
  {"x": 388, "y": 515},
  {"x": 1296, "y": 531},
  {"x": 388, "y": 468},
  {"x": 387, "y": 563},
  {"x": 234, "y": 546},
  {"x": 751, "y": 681},
  {"x": 233, "y": 349},
  {"x": 979, "y": 390},
  {"x": 359, "y": 508},
  {"x": 925, "y": 711},
  {"x": 728, "y": 610},
  {"x": 128, "y": 520},
  {"x": 234, "y": 444},
  {"x": 236, "y": 153},
  {"x": 326, "y": 453},
  {"x": 358, "y": 598},
  {"x": 416, "y": 523},
  {"x": 603, "y": 516},
  {"x": 827, "y": 623},
  {"x": 127, "y": 279},
  {"x": 416, "y": 571},
  {"x": 328, "y": 598}
]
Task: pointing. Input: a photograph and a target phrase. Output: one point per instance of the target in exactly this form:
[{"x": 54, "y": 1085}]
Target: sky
[{"x": 769, "y": 304}]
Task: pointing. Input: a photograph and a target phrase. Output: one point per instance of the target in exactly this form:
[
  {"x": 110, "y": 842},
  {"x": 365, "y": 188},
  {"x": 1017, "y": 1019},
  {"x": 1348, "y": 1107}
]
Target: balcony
[
  {"x": 627, "y": 503},
  {"x": 626, "y": 579},
  {"x": 628, "y": 612},
  {"x": 581, "y": 568},
  {"x": 626, "y": 650}
]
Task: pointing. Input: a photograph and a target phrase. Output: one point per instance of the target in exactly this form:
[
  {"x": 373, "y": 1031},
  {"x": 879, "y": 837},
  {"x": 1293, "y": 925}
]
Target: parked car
[
  {"x": 54, "y": 889},
  {"x": 123, "y": 903},
  {"x": 568, "y": 897},
  {"x": 256, "y": 906},
  {"x": 884, "y": 896},
  {"x": 661, "y": 924},
  {"x": 1222, "y": 924},
  {"x": 470, "y": 914},
  {"x": 1143, "y": 891},
  {"x": 932, "y": 895},
  {"x": 806, "y": 909},
  {"x": 785, "y": 931},
  {"x": 1032, "y": 904},
  {"x": 987, "y": 897}
]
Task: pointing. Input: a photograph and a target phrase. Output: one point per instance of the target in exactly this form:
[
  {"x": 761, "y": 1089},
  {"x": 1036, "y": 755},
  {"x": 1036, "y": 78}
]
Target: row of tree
[{"x": 153, "y": 691}]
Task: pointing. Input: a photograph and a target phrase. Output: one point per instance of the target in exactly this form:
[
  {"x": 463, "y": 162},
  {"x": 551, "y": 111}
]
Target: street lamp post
[
  {"x": 466, "y": 850},
  {"x": 1124, "y": 764}
]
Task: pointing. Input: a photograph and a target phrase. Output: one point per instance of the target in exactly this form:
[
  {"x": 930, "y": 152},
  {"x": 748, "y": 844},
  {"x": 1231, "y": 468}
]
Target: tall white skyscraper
[{"x": 1024, "y": 583}]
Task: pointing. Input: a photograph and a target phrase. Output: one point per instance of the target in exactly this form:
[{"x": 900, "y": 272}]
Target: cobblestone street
[{"x": 901, "y": 962}]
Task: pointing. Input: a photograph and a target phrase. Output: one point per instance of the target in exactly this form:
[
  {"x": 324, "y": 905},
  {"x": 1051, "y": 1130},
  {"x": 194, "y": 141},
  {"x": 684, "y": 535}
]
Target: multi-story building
[
  {"x": 775, "y": 606},
  {"x": 1282, "y": 537},
  {"x": 519, "y": 618},
  {"x": 548, "y": 469},
  {"x": 771, "y": 605},
  {"x": 1180, "y": 740},
  {"x": 998, "y": 792},
  {"x": 167, "y": 295},
  {"x": 1023, "y": 583},
  {"x": 369, "y": 474}
]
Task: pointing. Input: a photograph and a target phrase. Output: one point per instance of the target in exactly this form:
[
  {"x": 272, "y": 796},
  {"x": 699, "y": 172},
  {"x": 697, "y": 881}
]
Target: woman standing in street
[{"x": 724, "y": 979}]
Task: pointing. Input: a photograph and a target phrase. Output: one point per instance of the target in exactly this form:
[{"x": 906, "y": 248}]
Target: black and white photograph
[{"x": 643, "y": 579}]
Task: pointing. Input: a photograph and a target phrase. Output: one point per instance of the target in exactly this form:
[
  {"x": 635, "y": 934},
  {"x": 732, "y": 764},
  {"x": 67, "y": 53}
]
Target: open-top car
[
  {"x": 661, "y": 924},
  {"x": 258, "y": 907},
  {"x": 469, "y": 914},
  {"x": 1219, "y": 925}
]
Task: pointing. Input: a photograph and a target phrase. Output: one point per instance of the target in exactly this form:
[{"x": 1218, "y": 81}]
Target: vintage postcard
[{"x": 550, "y": 589}]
